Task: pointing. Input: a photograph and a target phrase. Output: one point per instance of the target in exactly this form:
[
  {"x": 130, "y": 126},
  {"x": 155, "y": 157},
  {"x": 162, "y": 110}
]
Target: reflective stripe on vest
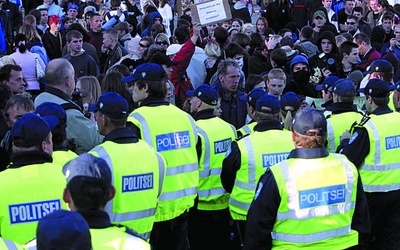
[
  {"x": 297, "y": 214},
  {"x": 331, "y": 136},
  {"x": 129, "y": 216},
  {"x": 377, "y": 165},
  {"x": 10, "y": 245}
]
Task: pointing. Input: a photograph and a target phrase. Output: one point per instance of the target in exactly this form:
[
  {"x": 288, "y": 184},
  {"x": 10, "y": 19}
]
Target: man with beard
[{"x": 300, "y": 83}]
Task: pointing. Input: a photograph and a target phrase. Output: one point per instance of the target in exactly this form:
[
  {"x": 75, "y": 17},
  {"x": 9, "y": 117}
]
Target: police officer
[
  {"x": 138, "y": 171},
  {"x": 61, "y": 153},
  {"x": 31, "y": 186},
  {"x": 89, "y": 188},
  {"x": 248, "y": 157},
  {"x": 251, "y": 99},
  {"x": 312, "y": 199},
  {"x": 374, "y": 148},
  {"x": 344, "y": 112},
  {"x": 326, "y": 93},
  {"x": 172, "y": 133},
  {"x": 209, "y": 218}
]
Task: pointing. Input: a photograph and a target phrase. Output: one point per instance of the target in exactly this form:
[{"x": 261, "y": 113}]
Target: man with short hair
[
  {"x": 72, "y": 14},
  {"x": 247, "y": 159},
  {"x": 227, "y": 86},
  {"x": 352, "y": 25},
  {"x": 123, "y": 34},
  {"x": 394, "y": 44},
  {"x": 111, "y": 112},
  {"x": 82, "y": 134},
  {"x": 174, "y": 138},
  {"x": 344, "y": 13},
  {"x": 251, "y": 99},
  {"x": 89, "y": 188},
  {"x": 25, "y": 192},
  {"x": 209, "y": 218},
  {"x": 42, "y": 25},
  {"x": 374, "y": 149},
  {"x": 111, "y": 50},
  {"x": 367, "y": 53},
  {"x": 319, "y": 20},
  {"x": 363, "y": 25},
  {"x": 285, "y": 213},
  {"x": 325, "y": 87},
  {"x": 350, "y": 59},
  {"x": 83, "y": 63},
  {"x": 95, "y": 34},
  {"x": 276, "y": 82},
  {"x": 12, "y": 76},
  {"x": 387, "y": 25}
]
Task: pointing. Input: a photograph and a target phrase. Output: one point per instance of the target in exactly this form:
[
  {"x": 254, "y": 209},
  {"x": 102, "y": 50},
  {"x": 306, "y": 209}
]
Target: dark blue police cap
[
  {"x": 146, "y": 71},
  {"x": 268, "y": 104},
  {"x": 290, "y": 101},
  {"x": 327, "y": 83},
  {"x": 31, "y": 129},
  {"x": 344, "y": 88},
  {"x": 308, "y": 120},
  {"x": 380, "y": 66},
  {"x": 51, "y": 108},
  {"x": 376, "y": 88},
  {"x": 205, "y": 93},
  {"x": 112, "y": 105},
  {"x": 253, "y": 96},
  {"x": 63, "y": 230}
]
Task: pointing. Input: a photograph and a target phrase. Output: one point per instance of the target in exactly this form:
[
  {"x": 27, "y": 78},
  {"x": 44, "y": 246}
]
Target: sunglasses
[
  {"x": 143, "y": 45},
  {"x": 350, "y": 23},
  {"x": 162, "y": 43}
]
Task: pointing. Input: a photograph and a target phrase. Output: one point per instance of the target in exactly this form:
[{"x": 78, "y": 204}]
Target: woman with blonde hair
[
  {"x": 247, "y": 29},
  {"x": 290, "y": 103},
  {"x": 213, "y": 51},
  {"x": 34, "y": 42},
  {"x": 90, "y": 88},
  {"x": 162, "y": 40}
]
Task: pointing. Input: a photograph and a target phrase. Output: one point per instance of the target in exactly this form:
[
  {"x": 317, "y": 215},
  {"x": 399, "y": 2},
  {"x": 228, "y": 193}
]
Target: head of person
[
  {"x": 356, "y": 77},
  {"x": 221, "y": 35},
  {"x": 251, "y": 100},
  {"x": 30, "y": 19},
  {"x": 352, "y": 23},
  {"x": 89, "y": 184},
  {"x": 349, "y": 52},
  {"x": 344, "y": 90},
  {"x": 213, "y": 51},
  {"x": 60, "y": 74},
  {"x": 306, "y": 33},
  {"x": 247, "y": 29},
  {"x": 20, "y": 43},
  {"x": 309, "y": 128},
  {"x": 237, "y": 23},
  {"x": 44, "y": 18},
  {"x": 267, "y": 108},
  {"x": 110, "y": 38},
  {"x": 243, "y": 40},
  {"x": 327, "y": 4},
  {"x": 300, "y": 68},
  {"x": 397, "y": 33},
  {"x": 254, "y": 81},
  {"x": 325, "y": 86},
  {"x": 111, "y": 112},
  {"x": 11, "y": 75},
  {"x": 236, "y": 52},
  {"x": 363, "y": 42},
  {"x": 278, "y": 58},
  {"x": 162, "y": 40},
  {"x": 96, "y": 21},
  {"x": 349, "y": 5},
  {"x": 122, "y": 29},
  {"x": 290, "y": 103},
  {"x": 326, "y": 42},
  {"x": 144, "y": 44},
  {"x": 90, "y": 86},
  {"x": 261, "y": 24},
  {"x": 30, "y": 33},
  {"x": 147, "y": 79},
  {"x": 59, "y": 134},
  {"x": 381, "y": 69},
  {"x": 33, "y": 133},
  {"x": 72, "y": 11},
  {"x": 165, "y": 61},
  {"x": 54, "y": 23},
  {"x": 202, "y": 98},
  {"x": 276, "y": 82},
  {"x": 373, "y": 4},
  {"x": 376, "y": 94},
  {"x": 17, "y": 106},
  {"x": 228, "y": 72},
  {"x": 63, "y": 229},
  {"x": 319, "y": 18},
  {"x": 210, "y": 28},
  {"x": 226, "y": 24},
  {"x": 358, "y": 12},
  {"x": 387, "y": 22},
  {"x": 74, "y": 41}
]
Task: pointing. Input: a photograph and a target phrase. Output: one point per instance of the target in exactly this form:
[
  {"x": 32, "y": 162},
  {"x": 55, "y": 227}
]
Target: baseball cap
[
  {"x": 253, "y": 96},
  {"x": 290, "y": 100},
  {"x": 376, "y": 88},
  {"x": 54, "y": 19},
  {"x": 72, "y": 6},
  {"x": 89, "y": 9},
  {"x": 51, "y": 108},
  {"x": 356, "y": 77},
  {"x": 205, "y": 93},
  {"x": 307, "y": 119},
  {"x": 31, "y": 129},
  {"x": 63, "y": 229},
  {"x": 146, "y": 71},
  {"x": 380, "y": 66},
  {"x": 268, "y": 104},
  {"x": 344, "y": 88},
  {"x": 319, "y": 13},
  {"x": 162, "y": 58},
  {"x": 397, "y": 86},
  {"x": 327, "y": 83},
  {"x": 88, "y": 167},
  {"x": 173, "y": 49},
  {"x": 112, "y": 105}
]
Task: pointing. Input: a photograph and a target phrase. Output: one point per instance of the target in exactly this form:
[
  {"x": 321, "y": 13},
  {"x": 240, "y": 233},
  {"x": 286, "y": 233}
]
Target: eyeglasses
[
  {"x": 143, "y": 45},
  {"x": 162, "y": 43},
  {"x": 350, "y": 23}
]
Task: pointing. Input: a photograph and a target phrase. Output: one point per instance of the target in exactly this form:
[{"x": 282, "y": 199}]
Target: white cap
[{"x": 173, "y": 49}]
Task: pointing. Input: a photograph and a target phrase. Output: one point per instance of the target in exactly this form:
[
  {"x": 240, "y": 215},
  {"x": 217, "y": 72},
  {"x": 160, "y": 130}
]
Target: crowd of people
[{"x": 129, "y": 125}]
